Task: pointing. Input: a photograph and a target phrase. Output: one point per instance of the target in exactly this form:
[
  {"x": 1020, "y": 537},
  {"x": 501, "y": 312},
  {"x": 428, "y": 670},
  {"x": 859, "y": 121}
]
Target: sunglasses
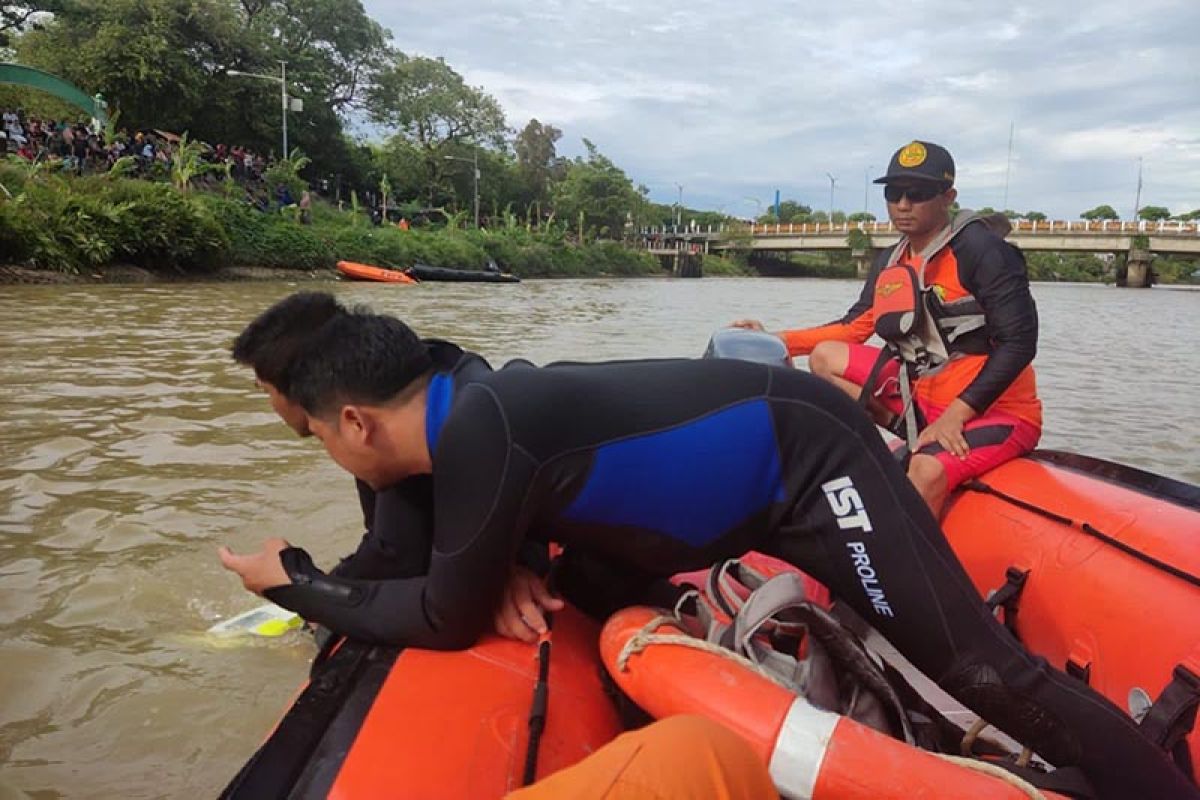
[{"x": 915, "y": 194}]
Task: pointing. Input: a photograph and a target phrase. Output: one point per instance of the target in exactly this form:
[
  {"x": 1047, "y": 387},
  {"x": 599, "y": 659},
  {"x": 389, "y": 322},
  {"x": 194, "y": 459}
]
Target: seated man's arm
[
  {"x": 857, "y": 325},
  {"x": 998, "y": 279}
]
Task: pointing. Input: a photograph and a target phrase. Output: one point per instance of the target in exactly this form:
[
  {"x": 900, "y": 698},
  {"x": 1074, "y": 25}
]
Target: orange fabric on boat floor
[{"x": 677, "y": 757}]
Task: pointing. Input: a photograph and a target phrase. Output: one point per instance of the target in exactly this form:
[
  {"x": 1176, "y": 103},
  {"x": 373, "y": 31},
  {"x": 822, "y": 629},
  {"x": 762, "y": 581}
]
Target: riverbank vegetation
[{"x": 78, "y": 224}]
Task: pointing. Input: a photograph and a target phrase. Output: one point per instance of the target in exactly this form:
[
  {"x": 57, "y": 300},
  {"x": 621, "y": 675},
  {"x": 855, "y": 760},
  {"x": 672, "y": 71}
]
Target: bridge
[{"x": 1140, "y": 240}]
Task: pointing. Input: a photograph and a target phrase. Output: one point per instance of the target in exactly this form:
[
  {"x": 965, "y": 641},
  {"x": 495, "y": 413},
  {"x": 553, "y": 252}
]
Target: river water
[{"x": 131, "y": 447}]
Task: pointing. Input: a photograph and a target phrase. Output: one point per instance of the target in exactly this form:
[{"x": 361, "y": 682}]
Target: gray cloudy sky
[{"x": 735, "y": 100}]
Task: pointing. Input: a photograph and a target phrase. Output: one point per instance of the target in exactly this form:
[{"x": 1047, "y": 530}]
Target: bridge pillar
[
  {"x": 1137, "y": 269},
  {"x": 862, "y": 262},
  {"x": 690, "y": 265}
]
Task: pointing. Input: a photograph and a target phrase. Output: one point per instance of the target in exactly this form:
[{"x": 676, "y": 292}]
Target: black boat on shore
[{"x": 491, "y": 274}]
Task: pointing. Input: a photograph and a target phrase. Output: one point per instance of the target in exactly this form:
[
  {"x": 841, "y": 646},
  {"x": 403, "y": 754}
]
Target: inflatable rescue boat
[
  {"x": 385, "y": 722},
  {"x": 1093, "y": 565}
]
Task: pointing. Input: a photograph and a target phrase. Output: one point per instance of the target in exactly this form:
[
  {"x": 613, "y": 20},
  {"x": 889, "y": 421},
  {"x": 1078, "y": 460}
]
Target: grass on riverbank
[{"x": 77, "y": 224}]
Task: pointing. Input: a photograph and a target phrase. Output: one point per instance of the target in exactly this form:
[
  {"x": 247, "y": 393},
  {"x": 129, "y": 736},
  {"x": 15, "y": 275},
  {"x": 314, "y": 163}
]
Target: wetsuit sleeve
[
  {"x": 997, "y": 277},
  {"x": 479, "y": 482},
  {"x": 856, "y": 326},
  {"x": 399, "y": 532}
]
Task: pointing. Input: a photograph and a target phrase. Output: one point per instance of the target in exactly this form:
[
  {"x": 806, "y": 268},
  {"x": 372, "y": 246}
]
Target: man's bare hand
[
  {"x": 520, "y": 613},
  {"x": 259, "y": 571},
  {"x": 947, "y": 430}
]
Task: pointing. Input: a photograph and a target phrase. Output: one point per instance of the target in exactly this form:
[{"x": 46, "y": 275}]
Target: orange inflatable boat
[
  {"x": 380, "y": 722},
  {"x": 1091, "y": 564},
  {"x": 366, "y": 272},
  {"x": 1096, "y": 567}
]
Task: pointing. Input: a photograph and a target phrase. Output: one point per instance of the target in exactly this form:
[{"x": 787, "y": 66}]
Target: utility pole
[
  {"x": 475, "y": 167},
  {"x": 832, "y": 183},
  {"x": 867, "y": 189},
  {"x": 1012, "y": 127},
  {"x": 1137, "y": 202},
  {"x": 284, "y": 99},
  {"x": 474, "y": 162},
  {"x": 679, "y": 208}
]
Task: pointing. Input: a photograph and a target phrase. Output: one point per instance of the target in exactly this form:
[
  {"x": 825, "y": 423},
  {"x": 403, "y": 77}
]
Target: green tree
[
  {"x": 538, "y": 164},
  {"x": 432, "y": 106},
  {"x": 18, "y": 17},
  {"x": 598, "y": 195},
  {"x": 1189, "y": 216},
  {"x": 1154, "y": 213},
  {"x": 1035, "y": 216},
  {"x": 861, "y": 216},
  {"x": 405, "y": 165},
  {"x": 1100, "y": 213},
  {"x": 148, "y": 57},
  {"x": 434, "y": 109},
  {"x": 789, "y": 211}
]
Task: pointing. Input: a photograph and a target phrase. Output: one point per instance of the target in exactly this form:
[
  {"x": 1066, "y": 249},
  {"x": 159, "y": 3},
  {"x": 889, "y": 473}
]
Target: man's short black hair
[
  {"x": 357, "y": 357},
  {"x": 272, "y": 341}
]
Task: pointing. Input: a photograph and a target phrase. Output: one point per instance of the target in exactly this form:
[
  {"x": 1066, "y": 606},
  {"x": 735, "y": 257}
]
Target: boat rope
[
  {"x": 1085, "y": 527},
  {"x": 967, "y": 746},
  {"x": 999, "y": 773},
  {"x": 646, "y": 636}
]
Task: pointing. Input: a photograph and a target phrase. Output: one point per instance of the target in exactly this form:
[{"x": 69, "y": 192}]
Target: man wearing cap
[{"x": 967, "y": 398}]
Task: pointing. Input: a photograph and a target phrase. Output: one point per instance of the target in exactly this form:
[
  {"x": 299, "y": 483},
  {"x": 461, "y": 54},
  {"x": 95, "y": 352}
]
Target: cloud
[{"x": 738, "y": 100}]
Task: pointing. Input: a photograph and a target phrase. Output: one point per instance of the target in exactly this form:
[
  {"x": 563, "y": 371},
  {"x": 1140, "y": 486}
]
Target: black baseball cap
[{"x": 923, "y": 161}]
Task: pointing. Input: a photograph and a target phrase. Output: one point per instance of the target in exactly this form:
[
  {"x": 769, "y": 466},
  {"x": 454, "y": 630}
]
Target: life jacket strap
[
  {"x": 1173, "y": 716},
  {"x": 1008, "y": 596},
  {"x": 911, "y": 420}
]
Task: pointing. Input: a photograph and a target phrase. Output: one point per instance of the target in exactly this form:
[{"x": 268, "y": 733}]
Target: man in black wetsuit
[
  {"x": 399, "y": 545},
  {"x": 661, "y": 467}
]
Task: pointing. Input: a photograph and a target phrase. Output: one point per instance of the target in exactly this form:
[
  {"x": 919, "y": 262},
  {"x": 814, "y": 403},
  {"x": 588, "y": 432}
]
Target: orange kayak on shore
[{"x": 366, "y": 272}]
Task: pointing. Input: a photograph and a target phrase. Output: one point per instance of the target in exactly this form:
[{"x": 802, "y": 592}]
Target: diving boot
[{"x": 980, "y": 688}]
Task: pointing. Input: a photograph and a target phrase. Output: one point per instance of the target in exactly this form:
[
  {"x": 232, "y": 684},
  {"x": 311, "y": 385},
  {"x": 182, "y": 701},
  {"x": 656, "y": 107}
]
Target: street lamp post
[
  {"x": 283, "y": 103},
  {"x": 867, "y": 190},
  {"x": 832, "y": 182},
  {"x": 474, "y": 162},
  {"x": 1137, "y": 200},
  {"x": 283, "y": 95},
  {"x": 757, "y": 204},
  {"x": 679, "y": 207}
]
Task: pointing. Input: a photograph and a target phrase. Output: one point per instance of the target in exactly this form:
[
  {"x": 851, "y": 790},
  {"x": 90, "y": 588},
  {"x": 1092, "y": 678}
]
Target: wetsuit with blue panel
[{"x": 666, "y": 466}]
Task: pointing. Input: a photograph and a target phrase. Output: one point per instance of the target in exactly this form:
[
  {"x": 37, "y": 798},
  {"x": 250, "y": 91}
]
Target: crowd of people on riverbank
[{"x": 81, "y": 148}]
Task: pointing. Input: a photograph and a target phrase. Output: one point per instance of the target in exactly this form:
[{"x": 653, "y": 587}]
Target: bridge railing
[{"x": 1169, "y": 227}]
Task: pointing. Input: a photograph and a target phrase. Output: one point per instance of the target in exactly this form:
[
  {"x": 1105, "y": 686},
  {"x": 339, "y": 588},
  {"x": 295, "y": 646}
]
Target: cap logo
[{"x": 913, "y": 155}]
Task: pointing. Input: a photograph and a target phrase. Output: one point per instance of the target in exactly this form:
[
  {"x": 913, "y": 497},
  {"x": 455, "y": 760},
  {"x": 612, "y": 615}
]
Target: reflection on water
[{"x": 131, "y": 447}]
